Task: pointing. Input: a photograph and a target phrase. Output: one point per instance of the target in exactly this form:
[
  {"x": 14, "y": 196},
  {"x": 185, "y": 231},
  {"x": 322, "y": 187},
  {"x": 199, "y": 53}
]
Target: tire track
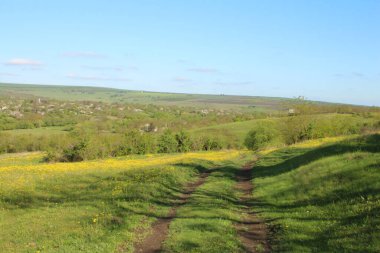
[
  {"x": 252, "y": 231},
  {"x": 160, "y": 228}
]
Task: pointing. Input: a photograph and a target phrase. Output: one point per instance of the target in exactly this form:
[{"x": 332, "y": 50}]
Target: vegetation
[
  {"x": 206, "y": 222},
  {"x": 323, "y": 199},
  {"x": 87, "y": 169},
  {"x": 260, "y": 137},
  {"x": 91, "y": 206}
]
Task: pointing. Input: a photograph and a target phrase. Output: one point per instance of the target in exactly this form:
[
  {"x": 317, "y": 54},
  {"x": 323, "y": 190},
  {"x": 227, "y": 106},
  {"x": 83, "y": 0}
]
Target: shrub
[
  {"x": 75, "y": 153},
  {"x": 260, "y": 137},
  {"x": 211, "y": 144},
  {"x": 53, "y": 156},
  {"x": 167, "y": 143},
  {"x": 183, "y": 142},
  {"x": 300, "y": 128}
]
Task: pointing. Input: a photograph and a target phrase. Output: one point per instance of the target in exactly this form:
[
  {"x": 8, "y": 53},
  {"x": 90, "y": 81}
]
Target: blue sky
[{"x": 322, "y": 49}]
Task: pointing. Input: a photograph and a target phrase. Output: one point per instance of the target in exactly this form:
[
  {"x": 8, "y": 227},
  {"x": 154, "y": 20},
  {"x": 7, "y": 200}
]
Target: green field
[
  {"x": 86, "y": 169},
  {"x": 324, "y": 199},
  {"x": 313, "y": 198},
  {"x": 37, "y": 131},
  {"x": 76, "y": 93},
  {"x": 57, "y": 208},
  {"x": 235, "y": 133}
]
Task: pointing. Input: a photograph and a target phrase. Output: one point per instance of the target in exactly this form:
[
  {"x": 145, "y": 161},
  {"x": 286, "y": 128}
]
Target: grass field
[
  {"x": 90, "y": 206},
  {"x": 76, "y": 93},
  {"x": 322, "y": 199},
  {"x": 38, "y": 131},
  {"x": 206, "y": 222},
  {"x": 318, "y": 196},
  {"x": 237, "y": 131}
]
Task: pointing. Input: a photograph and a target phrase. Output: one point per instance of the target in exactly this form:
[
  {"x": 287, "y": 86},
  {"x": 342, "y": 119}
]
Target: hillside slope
[
  {"x": 324, "y": 199},
  {"x": 331, "y": 124},
  {"x": 78, "y": 93}
]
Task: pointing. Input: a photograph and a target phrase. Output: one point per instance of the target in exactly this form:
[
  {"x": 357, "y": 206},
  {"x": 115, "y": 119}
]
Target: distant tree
[
  {"x": 75, "y": 152},
  {"x": 183, "y": 142},
  {"x": 167, "y": 143},
  {"x": 298, "y": 128},
  {"x": 260, "y": 137},
  {"x": 211, "y": 144}
]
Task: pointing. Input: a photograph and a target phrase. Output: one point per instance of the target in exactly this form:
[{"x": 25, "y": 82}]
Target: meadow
[
  {"x": 322, "y": 199},
  {"x": 86, "y": 169},
  {"x": 144, "y": 97},
  {"x": 92, "y": 206}
]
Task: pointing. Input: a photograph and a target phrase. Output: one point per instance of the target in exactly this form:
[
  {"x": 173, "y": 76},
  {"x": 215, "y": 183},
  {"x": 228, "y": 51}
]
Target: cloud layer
[
  {"x": 83, "y": 54},
  {"x": 204, "y": 70},
  {"x": 182, "y": 79},
  {"x": 96, "y": 78},
  {"x": 103, "y": 68},
  {"x": 23, "y": 62}
]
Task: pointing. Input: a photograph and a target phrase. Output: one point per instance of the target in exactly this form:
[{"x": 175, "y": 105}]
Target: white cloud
[
  {"x": 103, "y": 68},
  {"x": 96, "y": 78},
  {"x": 182, "y": 79},
  {"x": 242, "y": 83},
  {"x": 204, "y": 70},
  {"x": 23, "y": 62},
  {"x": 8, "y": 74},
  {"x": 83, "y": 54}
]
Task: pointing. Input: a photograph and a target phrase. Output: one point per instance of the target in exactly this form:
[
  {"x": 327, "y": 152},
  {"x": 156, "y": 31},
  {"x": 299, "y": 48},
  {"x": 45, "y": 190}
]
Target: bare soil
[
  {"x": 252, "y": 231},
  {"x": 160, "y": 228}
]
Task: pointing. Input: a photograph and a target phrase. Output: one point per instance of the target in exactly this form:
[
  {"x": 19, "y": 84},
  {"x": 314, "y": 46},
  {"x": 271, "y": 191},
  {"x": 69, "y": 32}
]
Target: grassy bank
[
  {"x": 90, "y": 206},
  {"x": 322, "y": 199},
  {"x": 206, "y": 222}
]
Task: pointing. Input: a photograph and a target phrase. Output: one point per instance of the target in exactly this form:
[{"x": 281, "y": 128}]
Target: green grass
[
  {"x": 17, "y": 159},
  {"x": 38, "y": 131},
  {"x": 77, "y": 93},
  {"x": 235, "y": 133},
  {"x": 319, "y": 199},
  {"x": 98, "y": 211},
  {"x": 206, "y": 222},
  {"x": 324, "y": 199}
]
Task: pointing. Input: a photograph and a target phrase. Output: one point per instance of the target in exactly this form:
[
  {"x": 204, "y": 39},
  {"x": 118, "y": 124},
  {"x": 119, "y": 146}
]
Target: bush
[
  {"x": 260, "y": 137},
  {"x": 184, "y": 142},
  {"x": 167, "y": 143},
  {"x": 53, "y": 156},
  {"x": 135, "y": 142},
  {"x": 211, "y": 144},
  {"x": 300, "y": 128},
  {"x": 75, "y": 153}
]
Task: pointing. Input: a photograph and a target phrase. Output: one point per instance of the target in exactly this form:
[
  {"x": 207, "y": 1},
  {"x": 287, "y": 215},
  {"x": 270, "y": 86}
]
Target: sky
[{"x": 321, "y": 49}]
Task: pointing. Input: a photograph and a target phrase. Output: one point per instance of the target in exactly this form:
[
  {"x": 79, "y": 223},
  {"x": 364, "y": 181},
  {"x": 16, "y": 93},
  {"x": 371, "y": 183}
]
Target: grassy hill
[
  {"x": 98, "y": 206},
  {"x": 77, "y": 93},
  {"x": 235, "y": 132},
  {"x": 323, "y": 199},
  {"x": 317, "y": 196}
]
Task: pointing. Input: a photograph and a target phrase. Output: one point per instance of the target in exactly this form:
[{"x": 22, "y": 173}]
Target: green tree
[
  {"x": 75, "y": 153},
  {"x": 167, "y": 143},
  {"x": 260, "y": 137},
  {"x": 298, "y": 128},
  {"x": 211, "y": 144},
  {"x": 183, "y": 142}
]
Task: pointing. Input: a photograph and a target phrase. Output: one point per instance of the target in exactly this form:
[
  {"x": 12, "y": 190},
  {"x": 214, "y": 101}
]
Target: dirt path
[
  {"x": 252, "y": 231},
  {"x": 160, "y": 228}
]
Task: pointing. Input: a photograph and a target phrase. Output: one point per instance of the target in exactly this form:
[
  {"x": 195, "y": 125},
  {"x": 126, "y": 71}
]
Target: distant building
[
  {"x": 291, "y": 111},
  {"x": 150, "y": 127}
]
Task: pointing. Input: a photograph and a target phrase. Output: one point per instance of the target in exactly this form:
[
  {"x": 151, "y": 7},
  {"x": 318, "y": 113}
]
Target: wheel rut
[
  {"x": 252, "y": 231},
  {"x": 160, "y": 228}
]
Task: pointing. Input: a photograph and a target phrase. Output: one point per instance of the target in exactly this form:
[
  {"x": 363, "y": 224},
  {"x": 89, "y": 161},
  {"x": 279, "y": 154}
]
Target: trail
[
  {"x": 160, "y": 228},
  {"x": 252, "y": 231}
]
